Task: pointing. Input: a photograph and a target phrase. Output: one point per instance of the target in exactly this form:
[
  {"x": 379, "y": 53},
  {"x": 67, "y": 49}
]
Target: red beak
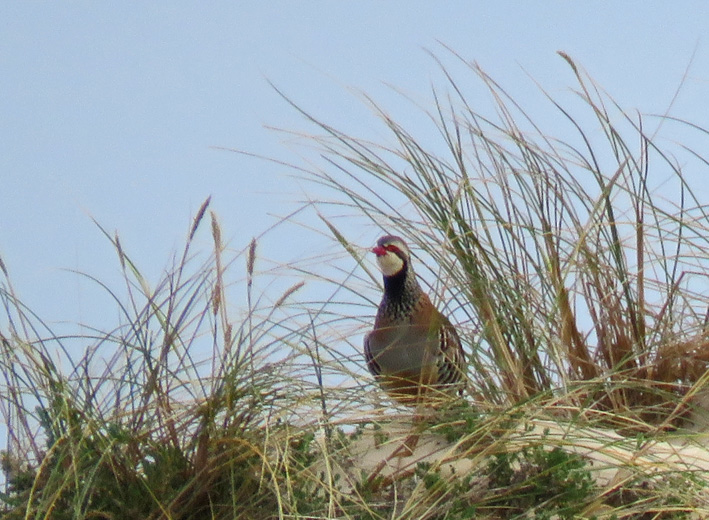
[{"x": 379, "y": 251}]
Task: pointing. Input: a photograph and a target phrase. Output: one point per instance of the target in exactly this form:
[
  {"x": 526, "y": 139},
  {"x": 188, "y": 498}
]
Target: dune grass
[
  {"x": 576, "y": 273},
  {"x": 572, "y": 264}
]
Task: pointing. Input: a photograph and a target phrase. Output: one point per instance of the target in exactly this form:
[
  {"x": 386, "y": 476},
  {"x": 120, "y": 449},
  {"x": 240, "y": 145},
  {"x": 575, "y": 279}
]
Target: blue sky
[{"x": 113, "y": 111}]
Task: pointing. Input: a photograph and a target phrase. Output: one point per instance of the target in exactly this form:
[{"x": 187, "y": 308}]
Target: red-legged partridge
[{"x": 414, "y": 352}]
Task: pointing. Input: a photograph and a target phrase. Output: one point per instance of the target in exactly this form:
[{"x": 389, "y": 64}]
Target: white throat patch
[{"x": 390, "y": 264}]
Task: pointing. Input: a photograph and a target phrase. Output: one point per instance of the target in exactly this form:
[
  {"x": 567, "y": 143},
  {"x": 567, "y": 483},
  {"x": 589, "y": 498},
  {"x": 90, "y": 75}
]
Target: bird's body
[{"x": 413, "y": 351}]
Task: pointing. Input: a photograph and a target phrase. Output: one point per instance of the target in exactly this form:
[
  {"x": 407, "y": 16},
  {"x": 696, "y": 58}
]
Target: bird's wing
[{"x": 372, "y": 365}]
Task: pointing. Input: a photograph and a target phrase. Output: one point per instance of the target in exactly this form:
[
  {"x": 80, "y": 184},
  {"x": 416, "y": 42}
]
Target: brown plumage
[{"x": 413, "y": 351}]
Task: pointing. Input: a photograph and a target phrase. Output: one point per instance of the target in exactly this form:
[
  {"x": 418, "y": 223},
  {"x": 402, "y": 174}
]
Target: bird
[{"x": 413, "y": 350}]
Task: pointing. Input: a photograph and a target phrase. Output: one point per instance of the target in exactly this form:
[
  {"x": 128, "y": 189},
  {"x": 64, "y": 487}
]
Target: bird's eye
[{"x": 392, "y": 248}]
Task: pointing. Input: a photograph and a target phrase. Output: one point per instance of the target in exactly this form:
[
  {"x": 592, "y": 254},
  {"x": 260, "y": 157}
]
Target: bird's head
[{"x": 392, "y": 255}]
